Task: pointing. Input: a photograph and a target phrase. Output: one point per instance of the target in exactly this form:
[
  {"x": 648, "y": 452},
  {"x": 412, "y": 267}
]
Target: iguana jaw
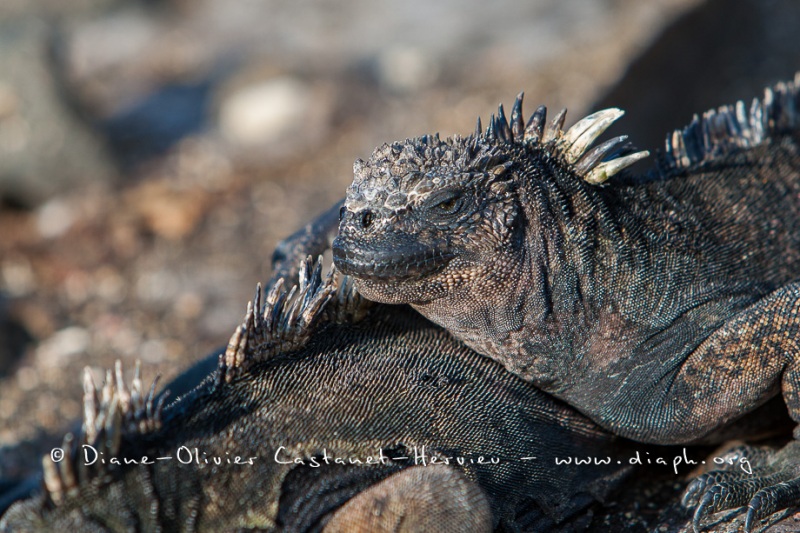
[{"x": 389, "y": 259}]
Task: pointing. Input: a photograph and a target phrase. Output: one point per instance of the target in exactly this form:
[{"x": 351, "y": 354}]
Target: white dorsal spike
[
  {"x": 605, "y": 170},
  {"x": 232, "y": 351},
  {"x": 108, "y": 388},
  {"x": 592, "y": 157},
  {"x": 581, "y": 135},
  {"x": 272, "y": 298},
  {"x": 137, "y": 376},
  {"x": 52, "y": 480},
  {"x": 65, "y": 468},
  {"x": 89, "y": 405},
  {"x": 122, "y": 390}
]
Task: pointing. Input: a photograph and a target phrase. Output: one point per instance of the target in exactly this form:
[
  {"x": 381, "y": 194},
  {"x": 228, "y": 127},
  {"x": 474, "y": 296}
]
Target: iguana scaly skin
[
  {"x": 304, "y": 373},
  {"x": 663, "y": 305}
]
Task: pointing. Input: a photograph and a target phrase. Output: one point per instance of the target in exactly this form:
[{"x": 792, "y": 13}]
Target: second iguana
[
  {"x": 663, "y": 305},
  {"x": 320, "y": 419}
]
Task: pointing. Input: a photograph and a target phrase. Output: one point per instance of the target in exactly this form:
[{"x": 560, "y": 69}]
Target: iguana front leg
[
  {"x": 740, "y": 366},
  {"x": 751, "y": 357}
]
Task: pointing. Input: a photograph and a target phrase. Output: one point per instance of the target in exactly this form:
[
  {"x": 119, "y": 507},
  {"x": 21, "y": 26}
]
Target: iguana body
[
  {"x": 293, "y": 377},
  {"x": 663, "y": 306}
]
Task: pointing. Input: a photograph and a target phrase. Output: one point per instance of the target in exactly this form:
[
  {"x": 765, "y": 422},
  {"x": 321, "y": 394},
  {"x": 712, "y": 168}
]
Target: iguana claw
[{"x": 773, "y": 484}]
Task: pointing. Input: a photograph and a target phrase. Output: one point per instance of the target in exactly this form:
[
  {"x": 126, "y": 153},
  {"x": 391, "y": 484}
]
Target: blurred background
[{"x": 153, "y": 152}]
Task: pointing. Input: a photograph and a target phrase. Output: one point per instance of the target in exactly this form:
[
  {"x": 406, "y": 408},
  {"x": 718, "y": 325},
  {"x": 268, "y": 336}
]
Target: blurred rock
[
  {"x": 66, "y": 343},
  {"x": 49, "y": 8},
  {"x": 54, "y": 218},
  {"x": 265, "y": 112},
  {"x": 149, "y": 80},
  {"x": 157, "y": 122},
  {"x": 276, "y": 115},
  {"x": 44, "y": 148},
  {"x": 101, "y": 44},
  {"x": 168, "y": 211},
  {"x": 17, "y": 276},
  {"x": 406, "y": 69}
]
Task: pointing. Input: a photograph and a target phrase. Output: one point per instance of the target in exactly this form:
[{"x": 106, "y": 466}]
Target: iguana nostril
[
  {"x": 342, "y": 212},
  {"x": 366, "y": 219}
]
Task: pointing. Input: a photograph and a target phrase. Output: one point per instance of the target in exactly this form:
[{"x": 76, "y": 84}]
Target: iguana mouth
[{"x": 405, "y": 262}]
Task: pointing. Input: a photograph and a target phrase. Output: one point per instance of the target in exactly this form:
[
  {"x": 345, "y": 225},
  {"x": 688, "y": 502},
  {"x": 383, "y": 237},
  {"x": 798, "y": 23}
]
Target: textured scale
[{"x": 350, "y": 385}]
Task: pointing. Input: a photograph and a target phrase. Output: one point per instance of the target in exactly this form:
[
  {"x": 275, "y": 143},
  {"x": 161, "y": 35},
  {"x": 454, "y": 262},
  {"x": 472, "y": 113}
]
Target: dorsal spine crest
[
  {"x": 595, "y": 166},
  {"x": 110, "y": 412},
  {"x": 285, "y": 321},
  {"x": 730, "y": 128}
]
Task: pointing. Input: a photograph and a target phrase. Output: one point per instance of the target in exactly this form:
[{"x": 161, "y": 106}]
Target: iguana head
[{"x": 426, "y": 217}]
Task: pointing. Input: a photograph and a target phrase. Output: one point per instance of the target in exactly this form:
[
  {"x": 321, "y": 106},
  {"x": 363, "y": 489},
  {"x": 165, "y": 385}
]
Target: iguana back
[{"x": 294, "y": 387}]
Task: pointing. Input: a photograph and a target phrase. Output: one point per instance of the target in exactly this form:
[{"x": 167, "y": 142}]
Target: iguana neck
[{"x": 547, "y": 294}]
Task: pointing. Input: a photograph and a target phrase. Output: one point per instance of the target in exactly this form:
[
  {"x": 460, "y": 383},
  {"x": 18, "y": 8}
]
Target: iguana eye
[
  {"x": 447, "y": 204},
  {"x": 366, "y": 219}
]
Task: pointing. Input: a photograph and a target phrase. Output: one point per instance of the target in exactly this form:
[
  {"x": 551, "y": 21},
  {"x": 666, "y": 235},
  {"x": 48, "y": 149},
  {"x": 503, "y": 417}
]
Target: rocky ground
[{"x": 153, "y": 152}]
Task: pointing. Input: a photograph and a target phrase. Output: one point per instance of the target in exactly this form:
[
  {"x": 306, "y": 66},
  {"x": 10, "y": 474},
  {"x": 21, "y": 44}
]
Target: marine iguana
[
  {"x": 663, "y": 305},
  {"x": 309, "y": 379}
]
